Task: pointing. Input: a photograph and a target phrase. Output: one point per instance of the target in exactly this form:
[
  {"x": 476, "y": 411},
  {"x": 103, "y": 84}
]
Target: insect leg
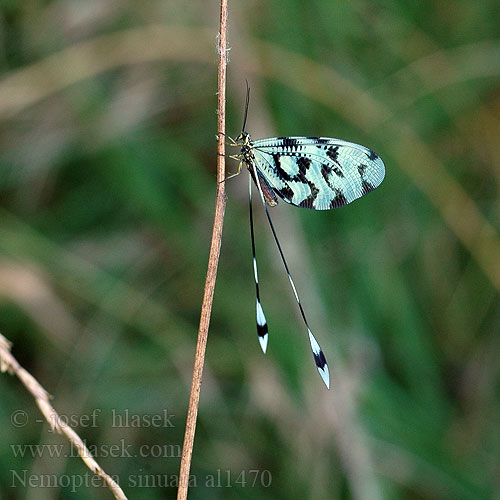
[{"x": 234, "y": 157}]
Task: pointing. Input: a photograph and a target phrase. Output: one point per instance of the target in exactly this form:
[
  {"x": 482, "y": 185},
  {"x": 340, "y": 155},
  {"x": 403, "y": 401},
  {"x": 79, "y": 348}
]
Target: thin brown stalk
[
  {"x": 213, "y": 260},
  {"x": 9, "y": 364}
]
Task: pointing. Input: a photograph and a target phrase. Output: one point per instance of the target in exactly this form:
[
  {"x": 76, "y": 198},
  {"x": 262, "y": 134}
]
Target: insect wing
[{"x": 317, "y": 172}]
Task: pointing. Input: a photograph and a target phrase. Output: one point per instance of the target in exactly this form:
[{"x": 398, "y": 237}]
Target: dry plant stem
[
  {"x": 213, "y": 260},
  {"x": 9, "y": 364}
]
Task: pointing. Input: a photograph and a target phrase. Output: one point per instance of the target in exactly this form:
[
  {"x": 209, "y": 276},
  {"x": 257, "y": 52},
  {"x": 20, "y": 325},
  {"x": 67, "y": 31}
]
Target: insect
[{"x": 318, "y": 173}]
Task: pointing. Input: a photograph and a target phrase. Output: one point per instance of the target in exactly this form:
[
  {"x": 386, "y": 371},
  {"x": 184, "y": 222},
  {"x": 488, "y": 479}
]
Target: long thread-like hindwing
[
  {"x": 262, "y": 330},
  {"x": 319, "y": 357}
]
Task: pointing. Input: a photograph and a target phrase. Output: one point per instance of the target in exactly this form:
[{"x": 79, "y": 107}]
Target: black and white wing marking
[{"x": 317, "y": 172}]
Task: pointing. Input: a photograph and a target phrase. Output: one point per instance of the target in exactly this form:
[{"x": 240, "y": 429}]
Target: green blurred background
[{"x": 107, "y": 186}]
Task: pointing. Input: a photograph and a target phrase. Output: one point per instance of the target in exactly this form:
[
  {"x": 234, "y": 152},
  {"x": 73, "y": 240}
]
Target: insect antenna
[
  {"x": 247, "y": 100},
  {"x": 319, "y": 357}
]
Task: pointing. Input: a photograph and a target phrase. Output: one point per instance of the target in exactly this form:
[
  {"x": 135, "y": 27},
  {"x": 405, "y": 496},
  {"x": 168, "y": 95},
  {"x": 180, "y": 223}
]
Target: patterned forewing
[{"x": 317, "y": 172}]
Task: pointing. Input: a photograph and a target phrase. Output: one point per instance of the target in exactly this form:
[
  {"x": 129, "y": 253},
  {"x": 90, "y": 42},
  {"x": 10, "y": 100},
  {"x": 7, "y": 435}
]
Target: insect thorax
[
  {"x": 247, "y": 155},
  {"x": 246, "y": 151}
]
